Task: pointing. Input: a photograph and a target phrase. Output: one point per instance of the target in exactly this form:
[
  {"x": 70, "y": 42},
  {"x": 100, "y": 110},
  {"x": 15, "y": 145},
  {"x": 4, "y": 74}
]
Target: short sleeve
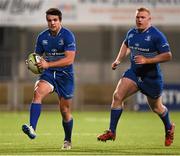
[
  {"x": 127, "y": 37},
  {"x": 162, "y": 44},
  {"x": 38, "y": 47},
  {"x": 70, "y": 43},
  {"x": 126, "y": 41}
]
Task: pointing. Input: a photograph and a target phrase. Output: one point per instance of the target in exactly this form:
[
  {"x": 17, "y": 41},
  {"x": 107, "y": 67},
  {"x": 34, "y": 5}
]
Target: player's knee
[
  {"x": 157, "y": 110},
  {"x": 64, "y": 111},
  {"x": 37, "y": 95},
  {"x": 117, "y": 97},
  {"x": 154, "y": 110},
  {"x": 65, "y": 114}
]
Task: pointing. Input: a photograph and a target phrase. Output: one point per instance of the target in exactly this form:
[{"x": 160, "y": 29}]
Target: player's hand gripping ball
[{"x": 32, "y": 61}]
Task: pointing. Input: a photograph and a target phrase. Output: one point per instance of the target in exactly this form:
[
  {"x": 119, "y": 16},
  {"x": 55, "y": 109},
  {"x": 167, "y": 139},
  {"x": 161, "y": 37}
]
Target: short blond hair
[{"x": 141, "y": 9}]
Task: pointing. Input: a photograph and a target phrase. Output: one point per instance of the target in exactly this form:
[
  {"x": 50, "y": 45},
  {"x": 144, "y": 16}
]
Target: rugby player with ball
[{"x": 57, "y": 45}]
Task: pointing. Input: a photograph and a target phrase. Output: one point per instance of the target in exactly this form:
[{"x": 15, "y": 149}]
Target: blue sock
[
  {"x": 165, "y": 118},
  {"x": 68, "y": 129},
  {"x": 115, "y": 115},
  {"x": 35, "y": 110}
]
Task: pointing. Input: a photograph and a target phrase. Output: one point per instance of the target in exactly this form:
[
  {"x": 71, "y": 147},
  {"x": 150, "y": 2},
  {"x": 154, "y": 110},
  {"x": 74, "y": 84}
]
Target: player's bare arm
[
  {"x": 69, "y": 59},
  {"x": 122, "y": 54},
  {"x": 164, "y": 57}
]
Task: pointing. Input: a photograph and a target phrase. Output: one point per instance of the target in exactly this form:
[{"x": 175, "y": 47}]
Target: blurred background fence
[{"x": 100, "y": 27}]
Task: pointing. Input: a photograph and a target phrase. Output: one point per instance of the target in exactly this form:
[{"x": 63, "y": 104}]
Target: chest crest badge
[
  {"x": 61, "y": 42},
  {"x": 148, "y": 38}
]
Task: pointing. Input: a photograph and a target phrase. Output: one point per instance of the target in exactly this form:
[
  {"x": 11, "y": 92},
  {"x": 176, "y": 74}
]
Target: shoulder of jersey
[
  {"x": 66, "y": 31},
  {"x": 43, "y": 33},
  {"x": 131, "y": 30},
  {"x": 154, "y": 29}
]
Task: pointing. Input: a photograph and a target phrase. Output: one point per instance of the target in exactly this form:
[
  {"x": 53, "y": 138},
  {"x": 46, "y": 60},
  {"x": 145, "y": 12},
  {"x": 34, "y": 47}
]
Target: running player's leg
[
  {"x": 65, "y": 89},
  {"x": 125, "y": 88},
  {"x": 67, "y": 121},
  {"x": 157, "y": 107},
  {"x": 41, "y": 90}
]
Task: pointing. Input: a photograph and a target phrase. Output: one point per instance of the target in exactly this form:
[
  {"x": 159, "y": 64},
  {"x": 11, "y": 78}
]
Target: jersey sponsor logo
[
  {"x": 44, "y": 42},
  {"x": 139, "y": 49},
  {"x": 145, "y": 54},
  {"x": 55, "y": 54}
]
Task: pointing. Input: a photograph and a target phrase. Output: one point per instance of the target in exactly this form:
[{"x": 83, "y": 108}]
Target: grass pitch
[{"x": 138, "y": 133}]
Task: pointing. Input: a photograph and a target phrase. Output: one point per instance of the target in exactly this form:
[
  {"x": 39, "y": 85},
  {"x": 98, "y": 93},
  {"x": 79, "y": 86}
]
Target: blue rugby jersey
[
  {"x": 149, "y": 44},
  {"x": 54, "y": 47}
]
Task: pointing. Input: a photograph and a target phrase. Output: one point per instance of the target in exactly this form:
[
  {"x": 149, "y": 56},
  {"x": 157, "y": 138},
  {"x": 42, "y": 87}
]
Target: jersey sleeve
[
  {"x": 38, "y": 47},
  {"x": 127, "y": 37},
  {"x": 70, "y": 43},
  {"x": 126, "y": 40},
  {"x": 162, "y": 43}
]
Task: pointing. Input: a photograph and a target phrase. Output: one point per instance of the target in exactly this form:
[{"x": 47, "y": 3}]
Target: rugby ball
[{"x": 32, "y": 59}]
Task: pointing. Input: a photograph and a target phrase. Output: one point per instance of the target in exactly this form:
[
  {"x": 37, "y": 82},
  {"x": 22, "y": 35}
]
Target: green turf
[{"x": 137, "y": 134}]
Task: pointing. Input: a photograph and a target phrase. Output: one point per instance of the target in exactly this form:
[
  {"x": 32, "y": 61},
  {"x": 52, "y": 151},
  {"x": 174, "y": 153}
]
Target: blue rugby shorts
[
  {"x": 62, "y": 82},
  {"x": 151, "y": 87}
]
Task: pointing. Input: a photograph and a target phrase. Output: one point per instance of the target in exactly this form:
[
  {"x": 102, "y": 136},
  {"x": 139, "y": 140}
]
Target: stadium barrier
[
  {"x": 171, "y": 98},
  {"x": 88, "y": 96}
]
